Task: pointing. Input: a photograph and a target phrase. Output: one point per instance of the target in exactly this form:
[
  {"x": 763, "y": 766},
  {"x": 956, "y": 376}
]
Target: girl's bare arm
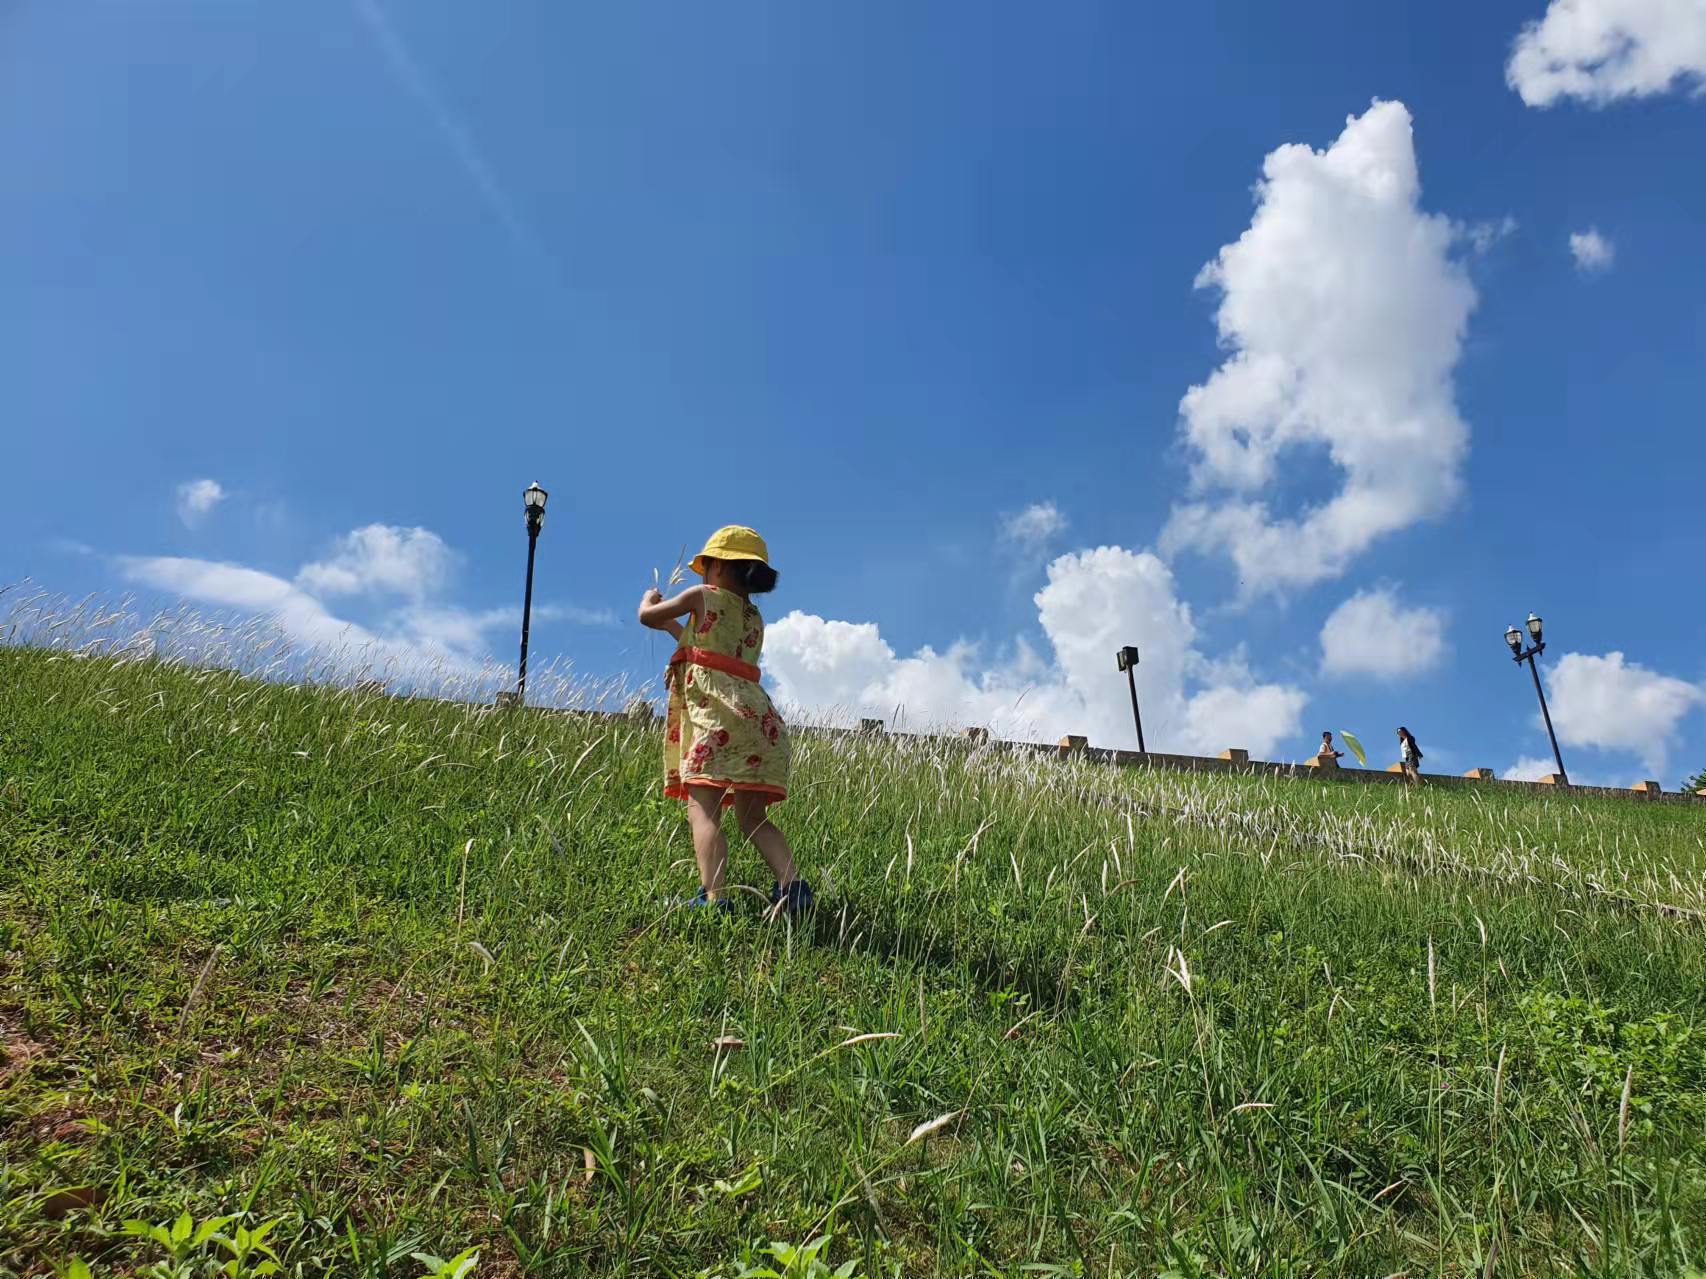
[{"x": 661, "y": 614}]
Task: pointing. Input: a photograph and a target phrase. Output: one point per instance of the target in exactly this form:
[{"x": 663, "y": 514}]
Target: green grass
[{"x": 384, "y": 972}]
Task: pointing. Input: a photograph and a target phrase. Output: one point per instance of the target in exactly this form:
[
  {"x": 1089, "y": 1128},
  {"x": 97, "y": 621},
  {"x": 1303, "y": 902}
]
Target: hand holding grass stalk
[
  {"x": 655, "y": 596},
  {"x": 677, "y": 575}
]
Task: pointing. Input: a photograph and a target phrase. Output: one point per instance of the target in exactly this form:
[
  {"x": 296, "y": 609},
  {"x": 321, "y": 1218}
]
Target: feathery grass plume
[
  {"x": 677, "y": 575},
  {"x": 198, "y": 986},
  {"x": 1431, "y": 1002},
  {"x": 871, "y": 1037},
  {"x": 1498, "y": 1085},
  {"x": 1623, "y": 1109},
  {"x": 935, "y": 1125},
  {"x": 1178, "y": 969}
]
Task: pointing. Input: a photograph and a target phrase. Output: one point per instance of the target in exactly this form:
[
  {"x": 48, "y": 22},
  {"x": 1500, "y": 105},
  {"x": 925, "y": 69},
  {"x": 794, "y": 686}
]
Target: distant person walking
[
  {"x": 724, "y": 744},
  {"x": 1327, "y": 751},
  {"x": 1409, "y": 756}
]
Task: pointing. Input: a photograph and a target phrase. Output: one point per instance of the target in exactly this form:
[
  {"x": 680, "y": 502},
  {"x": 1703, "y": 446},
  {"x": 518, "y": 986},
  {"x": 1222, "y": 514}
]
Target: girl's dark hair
[{"x": 754, "y": 577}]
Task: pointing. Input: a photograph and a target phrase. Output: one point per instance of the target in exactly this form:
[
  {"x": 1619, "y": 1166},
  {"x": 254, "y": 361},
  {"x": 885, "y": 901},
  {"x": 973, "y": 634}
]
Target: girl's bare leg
[
  {"x": 704, "y": 818},
  {"x": 766, "y": 836}
]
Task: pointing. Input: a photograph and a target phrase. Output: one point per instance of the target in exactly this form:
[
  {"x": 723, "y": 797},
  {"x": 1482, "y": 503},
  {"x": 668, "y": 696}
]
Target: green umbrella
[{"x": 1356, "y": 747}]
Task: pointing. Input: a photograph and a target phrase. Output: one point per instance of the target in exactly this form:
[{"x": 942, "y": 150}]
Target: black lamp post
[
  {"x": 533, "y": 502},
  {"x": 1127, "y": 658},
  {"x": 1513, "y": 637}
]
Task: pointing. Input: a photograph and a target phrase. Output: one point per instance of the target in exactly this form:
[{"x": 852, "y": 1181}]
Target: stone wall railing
[{"x": 1234, "y": 760}]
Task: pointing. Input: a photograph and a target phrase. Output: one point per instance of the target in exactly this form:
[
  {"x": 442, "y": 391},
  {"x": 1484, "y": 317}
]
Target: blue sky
[{"x": 879, "y": 280}]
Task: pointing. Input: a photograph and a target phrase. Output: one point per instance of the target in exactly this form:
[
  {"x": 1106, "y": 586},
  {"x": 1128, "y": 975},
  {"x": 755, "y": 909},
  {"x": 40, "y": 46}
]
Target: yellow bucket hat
[{"x": 732, "y": 542}]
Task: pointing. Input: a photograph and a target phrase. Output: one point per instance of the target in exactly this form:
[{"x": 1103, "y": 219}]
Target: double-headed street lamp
[
  {"x": 1513, "y": 637},
  {"x": 1127, "y": 659},
  {"x": 533, "y": 502}
]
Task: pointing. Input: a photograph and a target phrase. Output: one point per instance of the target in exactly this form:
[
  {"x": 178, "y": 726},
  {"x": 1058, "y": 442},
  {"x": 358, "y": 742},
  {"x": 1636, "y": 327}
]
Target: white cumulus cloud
[
  {"x": 1344, "y": 313},
  {"x": 1529, "y": 768},
  {"x": 1611, "y": 704},
  {"x": 1601, "y": 50},
  {"x": 381, "y": 557},
  {"x": 1034, "y": 525},
  {"x": 197, "y": 498},
  {"x": 1373, "y": 634},
  {"x": 1591, "y": 250},
  {"x": 1094, "y": 602}
]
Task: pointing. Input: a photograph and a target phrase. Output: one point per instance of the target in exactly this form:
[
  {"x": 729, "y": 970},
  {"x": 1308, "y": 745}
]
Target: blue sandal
[
  {"x": 795, "y": 899},
  {"x": 701, "y": 900}
]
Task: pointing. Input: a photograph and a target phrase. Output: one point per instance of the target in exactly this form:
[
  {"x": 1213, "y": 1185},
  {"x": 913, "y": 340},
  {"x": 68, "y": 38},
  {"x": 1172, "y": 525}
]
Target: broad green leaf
[
  {"x": 260, "y": 1232},
  {"x": 209, "y": 1228},
  {"x": 1356, "y": 747},
  {"x": 746, "y": 1183},
  {"x": 181, "y": 1228}
]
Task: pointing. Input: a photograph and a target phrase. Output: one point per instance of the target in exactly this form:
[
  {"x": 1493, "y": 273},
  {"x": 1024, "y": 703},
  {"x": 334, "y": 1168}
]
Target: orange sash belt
[{"x": 716, "y": 662}]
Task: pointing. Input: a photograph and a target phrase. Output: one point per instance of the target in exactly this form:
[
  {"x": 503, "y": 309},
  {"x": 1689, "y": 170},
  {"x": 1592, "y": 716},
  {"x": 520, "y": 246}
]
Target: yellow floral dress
[{"x": 721, "y": 729}]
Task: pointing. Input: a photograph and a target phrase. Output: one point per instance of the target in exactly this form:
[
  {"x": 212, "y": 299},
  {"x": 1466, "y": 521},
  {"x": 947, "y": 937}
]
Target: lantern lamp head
[{"x": 533, "y": 502}]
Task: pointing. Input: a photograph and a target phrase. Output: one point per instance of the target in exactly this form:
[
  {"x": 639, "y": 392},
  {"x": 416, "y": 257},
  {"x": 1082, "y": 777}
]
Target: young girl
[
  {"x": 724, "y": 744},
  {"x": 1409, "y": 756}
]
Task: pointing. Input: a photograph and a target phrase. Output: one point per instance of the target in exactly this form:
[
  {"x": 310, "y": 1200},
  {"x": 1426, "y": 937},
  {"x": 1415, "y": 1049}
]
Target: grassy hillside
[{"x": 401, "y": 977}]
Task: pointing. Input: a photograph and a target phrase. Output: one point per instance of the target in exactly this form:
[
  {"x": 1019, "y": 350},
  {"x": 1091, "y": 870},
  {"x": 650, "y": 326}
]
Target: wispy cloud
[
  {"x": 1035, "y": 525},
  {"x": 196, "y": 499},
  {"x": 1484, "y": 235},
  {"x": 401, "y": 574},
  {"x": 460, "y": 630},
  {"x": 407, "y": 70},
  {"x": 1592, "y": 251}
]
